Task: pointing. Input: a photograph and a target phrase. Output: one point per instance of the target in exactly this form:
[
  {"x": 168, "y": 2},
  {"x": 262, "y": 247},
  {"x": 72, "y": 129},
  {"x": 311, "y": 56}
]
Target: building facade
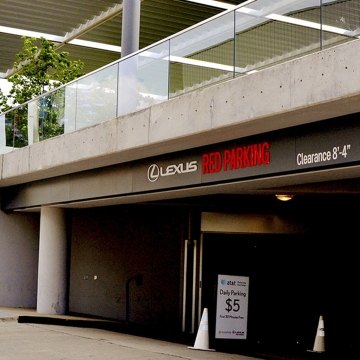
[{"x": 141, "y": 217}]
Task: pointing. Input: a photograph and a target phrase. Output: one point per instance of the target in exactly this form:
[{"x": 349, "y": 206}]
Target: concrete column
[
  {"x": 52, "y": 281},
  {"x": 130, "y": 32}
]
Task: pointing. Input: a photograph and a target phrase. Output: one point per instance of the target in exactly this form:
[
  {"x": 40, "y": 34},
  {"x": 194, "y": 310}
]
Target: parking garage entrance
[
  {"x": 293, "y": 279},
  {"x": 284, "y": 296}
]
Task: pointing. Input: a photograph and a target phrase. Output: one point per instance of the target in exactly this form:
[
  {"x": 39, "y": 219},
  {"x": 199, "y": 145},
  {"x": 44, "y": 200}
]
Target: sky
[{"x": 4, "y": 86}]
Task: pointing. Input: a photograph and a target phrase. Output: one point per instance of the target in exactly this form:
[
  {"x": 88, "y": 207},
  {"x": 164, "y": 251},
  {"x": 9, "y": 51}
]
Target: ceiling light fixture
[{"x": 284, "y": 197}]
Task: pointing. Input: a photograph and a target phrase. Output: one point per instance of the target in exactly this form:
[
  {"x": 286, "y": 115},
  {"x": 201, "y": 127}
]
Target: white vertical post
[
  {"x": 186, "y": 244},
  {"x": 33, "y": 122},
  {"x": 193, "y": 308},
  {"x": 2, "y": 134},
  {"x": 200, "y": 273},
  {"x": 51, "y": 295}
]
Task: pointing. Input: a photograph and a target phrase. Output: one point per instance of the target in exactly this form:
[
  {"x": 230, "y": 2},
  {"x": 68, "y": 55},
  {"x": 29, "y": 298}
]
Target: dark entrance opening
[{"x": 292, "y": 281}]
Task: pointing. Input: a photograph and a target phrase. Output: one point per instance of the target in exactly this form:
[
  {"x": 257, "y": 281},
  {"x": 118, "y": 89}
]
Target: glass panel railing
[
  {"x": 257, "y": 34},
  {"x": 70, "y": 107},
  {"x": 16, "y": 127},
  {"x": 96, "y": 97},
  {"x": 269, "y": 32},
  {"x": 51, "y": 114},
  {"x": 153, "y": 75},
  {"x": 203, "y": 55},
  {"x": 45, "y": 116},
  {"x": 128, "y": 86},
  {"x": 340, "y": 21},
  {"x": 5, "y": 129},
  {"x": 143, "y": 79}
]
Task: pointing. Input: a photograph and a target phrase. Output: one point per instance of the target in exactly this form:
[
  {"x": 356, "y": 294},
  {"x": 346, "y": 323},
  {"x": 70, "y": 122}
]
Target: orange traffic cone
[
  {"x": 202, "y": 337},
  {"x": 319, "y": 344}
]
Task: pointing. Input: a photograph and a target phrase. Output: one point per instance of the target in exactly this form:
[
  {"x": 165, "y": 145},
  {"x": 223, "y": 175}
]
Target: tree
[{"x": 38, "y": 68}]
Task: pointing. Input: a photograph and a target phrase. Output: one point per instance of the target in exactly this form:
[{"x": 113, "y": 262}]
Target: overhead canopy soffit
[{"x": 91, "y": 30}]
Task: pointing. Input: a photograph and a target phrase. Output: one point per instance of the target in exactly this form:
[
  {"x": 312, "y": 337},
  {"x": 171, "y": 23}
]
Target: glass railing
[{"x": 252, "y": 36}]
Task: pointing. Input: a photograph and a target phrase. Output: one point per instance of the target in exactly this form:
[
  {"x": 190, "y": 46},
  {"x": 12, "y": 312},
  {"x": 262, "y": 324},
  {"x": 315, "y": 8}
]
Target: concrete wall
[
  {"x": 19, "y": 244},
  {"x": 109, "y": 246}
]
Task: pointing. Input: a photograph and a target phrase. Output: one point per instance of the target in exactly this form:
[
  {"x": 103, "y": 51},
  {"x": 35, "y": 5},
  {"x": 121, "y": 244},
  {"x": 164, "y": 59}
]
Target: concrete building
[{"x": 149, "y": 211}]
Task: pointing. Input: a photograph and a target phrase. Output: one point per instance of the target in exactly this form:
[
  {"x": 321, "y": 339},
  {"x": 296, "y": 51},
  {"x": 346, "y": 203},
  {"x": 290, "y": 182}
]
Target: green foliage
[{"x": 38, "y": 68}]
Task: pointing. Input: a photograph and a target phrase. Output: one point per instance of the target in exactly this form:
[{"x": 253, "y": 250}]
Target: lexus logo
[{"x": 155, "y": 171}]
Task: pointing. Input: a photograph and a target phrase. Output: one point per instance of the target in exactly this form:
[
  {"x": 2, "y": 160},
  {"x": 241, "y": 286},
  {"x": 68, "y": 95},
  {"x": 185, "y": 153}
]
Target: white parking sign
[{"x": 232, "y": 307}]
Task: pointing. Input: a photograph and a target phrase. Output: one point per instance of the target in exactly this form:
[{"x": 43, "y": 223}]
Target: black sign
[{"x": 323, "y": 144}]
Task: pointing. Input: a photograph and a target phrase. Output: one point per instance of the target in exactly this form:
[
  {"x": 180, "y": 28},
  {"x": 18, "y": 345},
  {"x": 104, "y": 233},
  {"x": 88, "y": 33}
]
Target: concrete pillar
[
  {"x": 130, "y": 32},
  {"x": 52, "y": 279}
]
